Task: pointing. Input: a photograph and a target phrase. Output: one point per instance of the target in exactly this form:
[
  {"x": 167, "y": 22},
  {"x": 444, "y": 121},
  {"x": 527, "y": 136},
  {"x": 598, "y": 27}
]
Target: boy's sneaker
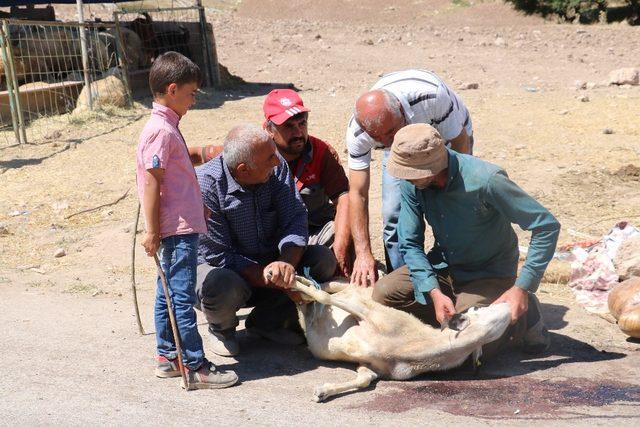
[
  {"x": 209, "y": 377},
  {"x": 167, "y": 368},
  {"x": 224, "y": 343}
]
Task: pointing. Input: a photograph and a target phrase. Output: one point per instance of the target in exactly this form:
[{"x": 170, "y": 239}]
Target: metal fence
[
  {"x": 45, "y": 84},
  {"x": 43, "y": 75},
  {"x": 180, "y": 29}
]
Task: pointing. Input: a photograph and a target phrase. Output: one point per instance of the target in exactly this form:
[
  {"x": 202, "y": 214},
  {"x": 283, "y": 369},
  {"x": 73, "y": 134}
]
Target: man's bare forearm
[
  {"x": 359, "y": 216},
  {"x": 151, "y": 200},
  {"x": 253, "y": 275},
  {"x": 342, "y": 227},
  {"x": 292, "y": 255},
  {"x": 202, "y": 154},
  {"x": 461, "y": 143}
]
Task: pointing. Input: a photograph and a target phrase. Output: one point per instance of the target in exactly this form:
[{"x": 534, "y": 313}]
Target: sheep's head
[{"x": 493, "y": 319}]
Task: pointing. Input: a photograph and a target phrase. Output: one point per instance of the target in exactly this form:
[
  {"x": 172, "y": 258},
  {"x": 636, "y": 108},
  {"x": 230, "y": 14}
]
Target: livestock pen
[
  {"x": 180, "y": 29},
  {"x": 44, "y": 73},
  {"x": 55, "y": 73}
]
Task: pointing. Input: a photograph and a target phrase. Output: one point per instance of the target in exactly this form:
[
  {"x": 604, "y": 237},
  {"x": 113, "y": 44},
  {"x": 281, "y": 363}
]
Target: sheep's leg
[
  {"x": 475, "y": 357},
  {"x": 363, "y": 378},
  {"x": 335, "y": 286},
  {"x": 353, "y": 307}
]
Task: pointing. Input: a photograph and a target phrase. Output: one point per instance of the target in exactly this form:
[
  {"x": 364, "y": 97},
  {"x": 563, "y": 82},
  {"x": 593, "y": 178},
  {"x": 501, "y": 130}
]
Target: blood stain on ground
[{"x": 513, "y": 397}]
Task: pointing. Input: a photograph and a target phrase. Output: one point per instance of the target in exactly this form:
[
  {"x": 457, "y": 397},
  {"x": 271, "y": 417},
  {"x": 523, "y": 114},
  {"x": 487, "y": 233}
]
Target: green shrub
[{"x": 585, "y": 10}]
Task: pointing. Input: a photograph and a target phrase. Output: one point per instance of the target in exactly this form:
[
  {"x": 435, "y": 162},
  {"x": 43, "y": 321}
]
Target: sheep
[
  {"x": 23, "y": 67},
  {"x": 133, "y": 51},
  {"x": 344, "y": 323},
  {"x": 52, "y": 49}
]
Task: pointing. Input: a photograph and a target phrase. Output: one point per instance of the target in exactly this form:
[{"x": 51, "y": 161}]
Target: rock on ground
[
  {"x": 59, "y": 253},
  {"x": 627, "y": 261},
  {"x": 625, "y": 76}
]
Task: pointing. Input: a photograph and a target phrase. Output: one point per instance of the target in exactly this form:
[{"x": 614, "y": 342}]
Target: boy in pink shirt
[{"x": 174, "y": 216}]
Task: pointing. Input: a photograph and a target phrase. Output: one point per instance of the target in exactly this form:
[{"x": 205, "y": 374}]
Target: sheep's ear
[{"x": 445, "y": 324}]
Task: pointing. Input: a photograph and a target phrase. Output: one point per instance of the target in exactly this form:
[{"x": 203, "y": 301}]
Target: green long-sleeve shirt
[{"x": 471, "y": 220}]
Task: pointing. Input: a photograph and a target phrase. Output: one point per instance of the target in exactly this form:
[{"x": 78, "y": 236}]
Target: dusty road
[
  {"x": 78, "y": 360},
  {"x": 73, "y": 354}
]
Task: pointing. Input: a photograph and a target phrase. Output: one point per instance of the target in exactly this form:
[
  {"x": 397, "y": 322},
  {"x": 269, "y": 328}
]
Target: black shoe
[{"x": 536, "y": 339}]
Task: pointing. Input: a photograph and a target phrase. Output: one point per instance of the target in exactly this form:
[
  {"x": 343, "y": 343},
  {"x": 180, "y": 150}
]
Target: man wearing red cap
[
  {"x": 317, "y": 172},
  {"x": 315, "y": 165}
]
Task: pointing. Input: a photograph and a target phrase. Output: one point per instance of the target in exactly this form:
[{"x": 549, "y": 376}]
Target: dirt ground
[{"x": 74, "y": 353}]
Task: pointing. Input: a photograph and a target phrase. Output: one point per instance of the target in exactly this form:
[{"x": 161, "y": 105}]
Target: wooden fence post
[
  {"x": 85, "y": 54},
  {"x": 16, "y": 88},
  {"x": 212, "y": 68},
  {"x": 122, "y": 55},
  {"x": 9, "y": 77}
]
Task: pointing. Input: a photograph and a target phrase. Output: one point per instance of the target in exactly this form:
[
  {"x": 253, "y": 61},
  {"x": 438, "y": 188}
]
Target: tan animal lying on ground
[
  {"x": 344, "y": 323},
  {"x": 109, "y": 91}
]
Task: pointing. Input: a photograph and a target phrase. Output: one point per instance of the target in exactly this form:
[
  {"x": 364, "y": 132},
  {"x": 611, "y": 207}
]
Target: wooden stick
[
  {"x": 133, "y": 272},
  {"x": 172, "y": 319},
  {"x": 99, "y": 207}
]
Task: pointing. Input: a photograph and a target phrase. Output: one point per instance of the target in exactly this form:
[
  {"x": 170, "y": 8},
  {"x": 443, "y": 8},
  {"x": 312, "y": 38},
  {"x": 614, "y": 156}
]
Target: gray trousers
[
  {"x": 222, "y": 292},
  {"x": 324, "y": 235}
]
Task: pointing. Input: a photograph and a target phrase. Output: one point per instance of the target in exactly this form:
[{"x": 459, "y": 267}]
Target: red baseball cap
[{"x": 282, "y": 104}]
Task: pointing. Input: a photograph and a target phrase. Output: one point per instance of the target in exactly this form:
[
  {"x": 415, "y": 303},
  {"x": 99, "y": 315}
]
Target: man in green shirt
[{"x": 470, "y": 205}]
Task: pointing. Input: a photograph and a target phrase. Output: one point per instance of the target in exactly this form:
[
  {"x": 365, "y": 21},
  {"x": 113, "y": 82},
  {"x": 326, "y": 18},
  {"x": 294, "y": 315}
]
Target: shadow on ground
[
  {"x": 66, "y": 142},
  {"x": 260, "y": 359},
  {"x": 501, "y": 389},
  {"x": 554, "y": 316},
  {"x": 263, "y": 359},
  {"x": 18, "y": 163}
]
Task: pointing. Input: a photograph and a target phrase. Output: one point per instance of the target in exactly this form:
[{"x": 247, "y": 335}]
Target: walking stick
[
  {"x": 133, "y": 272},
  {"x": 174, "y": 327}
]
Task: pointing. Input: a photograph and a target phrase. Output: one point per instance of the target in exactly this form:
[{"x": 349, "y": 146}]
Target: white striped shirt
[{"x": 425, "y": 98}]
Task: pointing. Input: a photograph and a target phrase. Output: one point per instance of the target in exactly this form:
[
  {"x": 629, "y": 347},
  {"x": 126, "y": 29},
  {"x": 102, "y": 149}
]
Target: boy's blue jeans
[{"x": 179, "y": 259}]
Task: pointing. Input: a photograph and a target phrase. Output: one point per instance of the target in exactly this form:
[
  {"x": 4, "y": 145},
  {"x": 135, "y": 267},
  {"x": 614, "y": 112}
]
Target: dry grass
[
  {"x": 91, "y": 162},
  {"x": 550, "y": 143},
  {"x": 527, "y": 135}
]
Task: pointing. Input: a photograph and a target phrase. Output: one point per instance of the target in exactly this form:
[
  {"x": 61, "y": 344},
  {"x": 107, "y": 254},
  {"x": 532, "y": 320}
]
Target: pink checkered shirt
[{"x": 162, "y": 146}]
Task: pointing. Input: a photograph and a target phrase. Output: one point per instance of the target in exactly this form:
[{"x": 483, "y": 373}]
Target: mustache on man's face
[{"x": 296, "y": 140}]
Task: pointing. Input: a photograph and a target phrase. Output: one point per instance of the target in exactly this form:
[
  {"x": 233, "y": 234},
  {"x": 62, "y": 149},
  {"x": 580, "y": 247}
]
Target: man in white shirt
[{"x": 396, "y": 100}]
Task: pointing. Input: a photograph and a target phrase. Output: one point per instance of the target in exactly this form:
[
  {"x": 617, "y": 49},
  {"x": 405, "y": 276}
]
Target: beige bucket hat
[{"x": 418, "y": 151}]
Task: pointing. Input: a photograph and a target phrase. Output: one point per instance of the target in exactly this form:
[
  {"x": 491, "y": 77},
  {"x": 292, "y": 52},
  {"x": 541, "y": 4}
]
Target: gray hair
[
  {"x": 240, "y": 144},
  {"x": 389, "y": 103}
]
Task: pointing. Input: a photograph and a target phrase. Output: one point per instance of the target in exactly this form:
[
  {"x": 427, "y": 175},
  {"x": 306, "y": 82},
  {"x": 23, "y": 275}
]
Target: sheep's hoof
[{"x": 319, "y": 394}]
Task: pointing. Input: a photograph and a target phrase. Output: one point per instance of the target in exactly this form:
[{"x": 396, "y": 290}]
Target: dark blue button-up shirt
[
  {"x": 249, "y": 225},
  {"x": 471, "y": 221}
]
